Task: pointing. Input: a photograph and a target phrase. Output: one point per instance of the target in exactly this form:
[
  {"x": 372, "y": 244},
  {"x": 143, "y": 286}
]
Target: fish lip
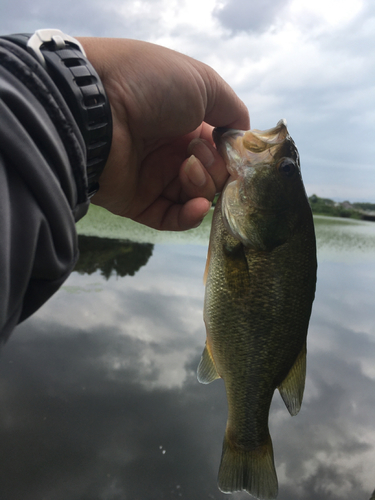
[
  {"x": 265, "y": 135},
  {"x": 233, "y": 144},
  {"x": 219, "y": 132}
]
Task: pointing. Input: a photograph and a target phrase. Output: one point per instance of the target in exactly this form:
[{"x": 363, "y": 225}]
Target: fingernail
[
  {"x": 199, "y": 148},
  {"x": 194, "y": 171},
  {"x": 209, "y": 208}
]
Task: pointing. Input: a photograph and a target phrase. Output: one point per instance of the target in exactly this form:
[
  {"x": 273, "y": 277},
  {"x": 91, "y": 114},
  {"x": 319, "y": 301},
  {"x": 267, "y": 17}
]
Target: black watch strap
[{"x": 65, "y": 60}]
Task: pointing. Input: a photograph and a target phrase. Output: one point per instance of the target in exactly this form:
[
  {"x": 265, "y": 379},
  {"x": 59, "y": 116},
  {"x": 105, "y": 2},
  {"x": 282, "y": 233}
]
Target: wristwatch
[{"x": 64, "y": 58}]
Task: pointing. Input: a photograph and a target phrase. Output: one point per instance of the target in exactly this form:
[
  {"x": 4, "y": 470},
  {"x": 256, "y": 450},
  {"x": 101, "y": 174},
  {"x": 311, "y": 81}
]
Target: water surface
[{"x": 99, "y": 398}]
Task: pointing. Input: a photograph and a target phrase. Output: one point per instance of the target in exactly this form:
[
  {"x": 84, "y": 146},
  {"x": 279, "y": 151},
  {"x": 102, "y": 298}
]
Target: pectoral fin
[
  {"x": 292, "y": 387},
  {"x": 206, "y": 370}
]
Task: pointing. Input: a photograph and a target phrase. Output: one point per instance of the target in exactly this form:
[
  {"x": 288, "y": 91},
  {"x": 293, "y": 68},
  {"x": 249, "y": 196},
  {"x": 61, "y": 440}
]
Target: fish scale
[{"x": 260, "y": 285}]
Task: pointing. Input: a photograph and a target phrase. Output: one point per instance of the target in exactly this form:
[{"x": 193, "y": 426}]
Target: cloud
[
  {"x": 237, "y": 15},
  {"x": 115, "y": 18},
  {"x": 309, "y": 62}
]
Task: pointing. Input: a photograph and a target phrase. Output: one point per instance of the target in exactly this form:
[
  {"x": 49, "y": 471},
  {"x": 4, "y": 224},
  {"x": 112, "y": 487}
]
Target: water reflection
[
  {"x": 100, "y": 400},
  {"x": 111, "y": 256}
]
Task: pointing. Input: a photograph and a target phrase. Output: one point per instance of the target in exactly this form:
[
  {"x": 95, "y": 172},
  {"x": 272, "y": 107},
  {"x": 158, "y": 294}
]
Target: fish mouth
[
  {"x": 239, "y": 147},
  {"x": 218, "y": 132},
  {"x": 272, "y": 136},
  {"x": 228, "y": 143},
  {"x": 221, "y": 134},
  {"x": 269, "y": 137}
]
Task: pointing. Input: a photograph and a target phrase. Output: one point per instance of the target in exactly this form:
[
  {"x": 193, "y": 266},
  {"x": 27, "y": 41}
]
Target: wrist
[{"x": 65, "y": 61}]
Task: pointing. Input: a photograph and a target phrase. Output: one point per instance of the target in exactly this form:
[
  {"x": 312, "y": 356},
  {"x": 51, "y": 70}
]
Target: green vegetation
[
  {"x": 345, "y": 209},
  {"x": 370, "y": 207},
  {"x": 325, "y": 206}
]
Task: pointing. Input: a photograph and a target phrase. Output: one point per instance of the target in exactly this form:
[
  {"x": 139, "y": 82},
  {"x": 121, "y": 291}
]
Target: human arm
[
  {"x": 42, "y": 187},
  {"x": 160, "y": 101}
]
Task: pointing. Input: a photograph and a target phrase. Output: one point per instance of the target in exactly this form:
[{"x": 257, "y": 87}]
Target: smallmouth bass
[{"x": 260, "y": 284}]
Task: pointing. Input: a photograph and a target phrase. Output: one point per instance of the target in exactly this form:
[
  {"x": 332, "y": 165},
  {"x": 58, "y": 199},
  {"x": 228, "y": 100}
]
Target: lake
[{"x": 99, "y": 397}]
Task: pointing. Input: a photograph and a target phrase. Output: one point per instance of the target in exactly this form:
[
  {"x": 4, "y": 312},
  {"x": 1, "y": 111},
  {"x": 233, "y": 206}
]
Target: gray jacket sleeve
[{"x": 42, "y": 187}]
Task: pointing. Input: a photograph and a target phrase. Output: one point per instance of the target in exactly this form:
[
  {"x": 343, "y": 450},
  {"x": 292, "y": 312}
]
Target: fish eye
[{"x": 287, "y": 167}]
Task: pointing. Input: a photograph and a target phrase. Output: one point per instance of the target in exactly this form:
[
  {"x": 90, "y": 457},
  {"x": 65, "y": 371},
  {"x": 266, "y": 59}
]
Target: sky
[{"x": 312, "y": 63}]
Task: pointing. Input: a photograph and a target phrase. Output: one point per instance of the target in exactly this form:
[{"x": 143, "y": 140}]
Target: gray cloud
[
  {"x": 115, "y": 18},
  {"x": 250, "y": 16},
  {"x": 282, "y": 63}
]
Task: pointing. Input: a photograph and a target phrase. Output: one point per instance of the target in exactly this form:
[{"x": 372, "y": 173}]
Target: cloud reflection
[
  {"x": 100, "y": 400},
  {"x": 98, "y": 429}
]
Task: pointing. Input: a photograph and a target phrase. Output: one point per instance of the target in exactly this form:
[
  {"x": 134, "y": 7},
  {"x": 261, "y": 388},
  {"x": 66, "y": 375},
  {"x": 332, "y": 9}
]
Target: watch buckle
[{"x": 40, "y": 37}]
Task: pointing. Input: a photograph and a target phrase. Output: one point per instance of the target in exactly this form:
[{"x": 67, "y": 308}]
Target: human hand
[{"x": 164, "y": 107}]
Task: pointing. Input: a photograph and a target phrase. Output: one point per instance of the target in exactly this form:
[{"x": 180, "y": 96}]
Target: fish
[{"x": 260, "y": 281}]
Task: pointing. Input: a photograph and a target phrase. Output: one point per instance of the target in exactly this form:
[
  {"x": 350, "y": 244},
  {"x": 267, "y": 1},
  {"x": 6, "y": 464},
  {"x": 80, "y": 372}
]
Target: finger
[
  {"x": 206, "y": 133},
  {"x": 196, "y": 181},
  {"x": 211, "y": 160},
  {"x": 192, "y": 213},
  {"x": 165, "y": 215}
]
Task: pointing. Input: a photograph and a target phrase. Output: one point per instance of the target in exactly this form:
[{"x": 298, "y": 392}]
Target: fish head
[{"x": 261, "y": 198}]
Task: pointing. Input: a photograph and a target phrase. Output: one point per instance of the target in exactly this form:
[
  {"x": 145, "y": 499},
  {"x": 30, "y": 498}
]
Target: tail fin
[{"x": 251, "y": 470}]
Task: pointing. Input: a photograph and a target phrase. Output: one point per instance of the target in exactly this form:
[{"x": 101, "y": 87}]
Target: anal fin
[
  {"x": 292, "y": 387},
  {"x": 207, "y": 372}
]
